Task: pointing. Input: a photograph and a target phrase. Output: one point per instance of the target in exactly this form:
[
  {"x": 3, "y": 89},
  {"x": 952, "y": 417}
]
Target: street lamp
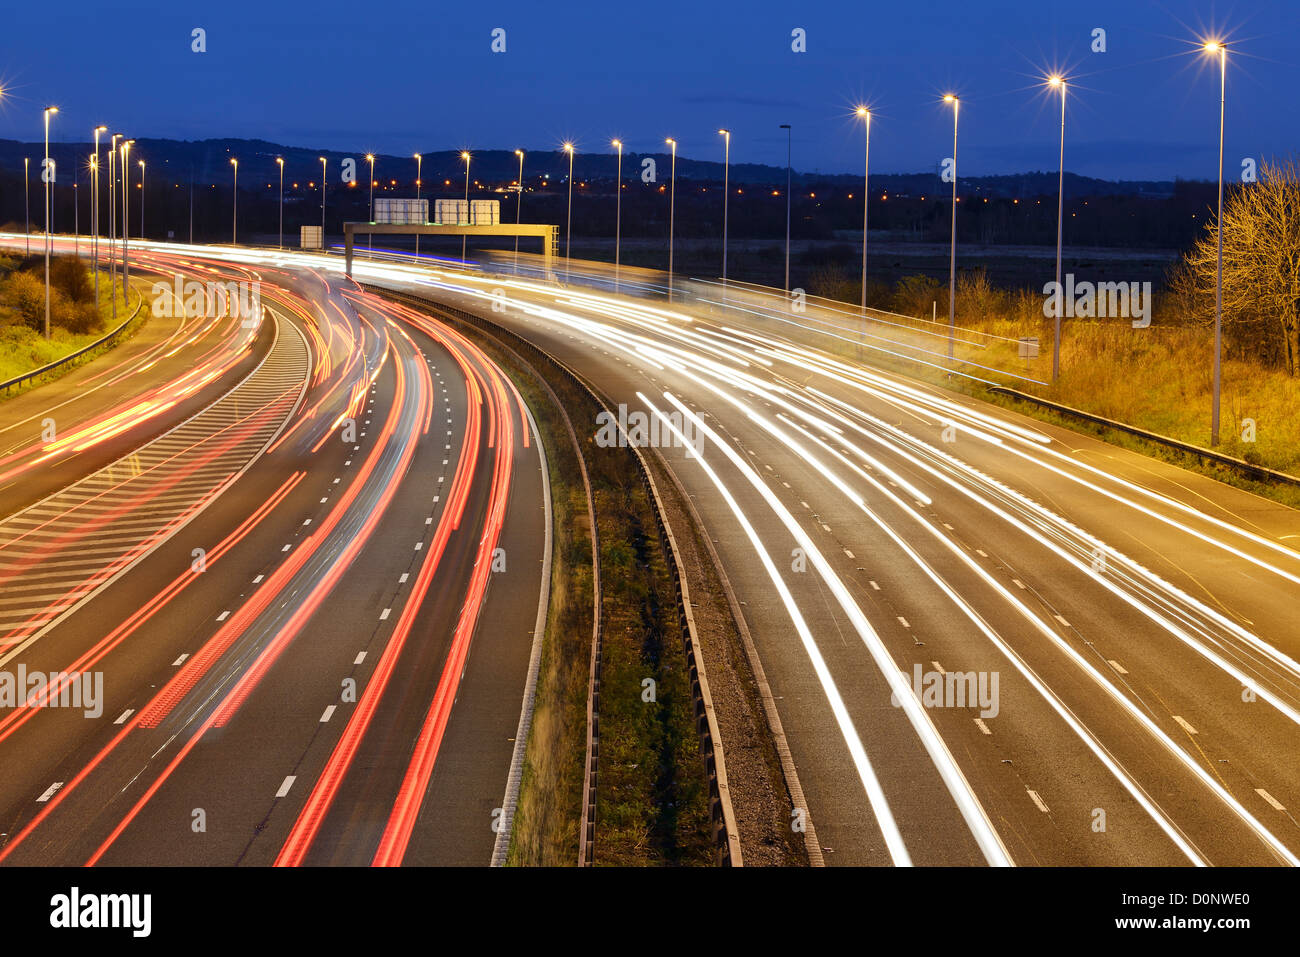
[
  {"x": 672, "y": 207},
  {"x": 519, "y": 201},
  {"x": 322, "y": 202},
  {"x": 618, "y": 210},
  {"x": 1056, "y": 80},
  {"x": 952, "y": 253},
  {"x": 370, "y": 238},
  {"x": 234, "y": 206},
  {"x": 419, "y": 167},
  {"x": 126, "y": 217},
  {"x": 27, "y": 201},
  {"x": 94, "y": 216},
  {"x": 112, "y": 220},
  {"x": 279, "y": 161},
  {"x": 789, "y": 135},
  {"x": 1215, "y": 48},
  {"x": 866, "y": 194},
  {"x": 465, "y": 236},
  {"x": 141, "y": 162},
  {"x": 47, "y": 176},
  {"x": 726, "y": 184},
  {"x": 568, "y": 229}
]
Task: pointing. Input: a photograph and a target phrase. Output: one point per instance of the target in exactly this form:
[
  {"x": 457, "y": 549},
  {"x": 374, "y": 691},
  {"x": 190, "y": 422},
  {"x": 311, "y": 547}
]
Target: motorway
[
  {"x": 1133, "y": 623},
  {"x": 279, "y": 550},
  {"x": 1139, "y": 618}
]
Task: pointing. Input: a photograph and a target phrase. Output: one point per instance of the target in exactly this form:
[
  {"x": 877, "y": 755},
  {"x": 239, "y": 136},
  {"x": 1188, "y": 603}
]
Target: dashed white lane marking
[
  {"x": 336, "y": 482},
  {"x": 348, "y": 462},
  {"x": 804, "y": 504},
  {"x": 180, "y": 661},
  {"x": 287, "y": 547},
  {"x": 947, "y": 526},
  {"x": 444, "y": 461},
  {"x": 223, "y": 616},
  {"x": 324, "y": 500},
  {"x": 1062, "y": 620},
  {"x": 435, "y": 498},
  {"x": 874, "y": 586},
  {"x": 329, "y": 713},
  {"x": 1184, "y": 725},
  {"x": 440, "y": 478},
  {"x": 1018, "y": 583},
  {"x": 49, "y": 792},
  {"x": 903, "y": 621},
  {"x": 979, "y": 723},
  {"x": 125, "y": 714},
  {"x": 1276, "y": 804},
  {"x": 1039, "y": 801},
  {"x": 980, "y": 552},
  {"x": 1117, "y": 666},
  {"x": 405, "y": 576},
  {"x": 419, "y": 545},
  {"x": 429, "y": 520},
  {"x": 258, "y": 579},
  {"x": 306, "y": 521},
  {"x": 786, "y": 484},
  {"x": 284, "y": 788},
  {"x": 849, "y": 553},
  {"x": 384, "y": 615},
  {"x": 361, "y": 656},
  {"x": 825, "y": 526}
]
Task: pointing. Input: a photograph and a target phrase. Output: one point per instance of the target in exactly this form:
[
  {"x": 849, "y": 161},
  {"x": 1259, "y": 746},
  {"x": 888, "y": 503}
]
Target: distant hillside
[{"x": 208, "y": 162}]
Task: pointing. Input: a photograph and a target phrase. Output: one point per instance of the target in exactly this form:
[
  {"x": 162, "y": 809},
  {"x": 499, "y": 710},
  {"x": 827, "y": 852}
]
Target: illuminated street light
[
  {"x": 568, "y": 229},
  {"x": 672, "y": 206},
  {"x": 279, "y": 160},
  {"x": 370, "y": 238},
  {"x": 519, "y": 200},
  {"x": 112, "y": 220},
  {"x": 141, "y": 162},
  {"x": 726, "y": 181},
  {"x": 618, "y": 210},
  {"x": 952, "y": 252},
  {"x": 1215, "y": 48},
  {"x": 234, "y": 206},
  {"x": 419, "y": 168},
  {"x": 322, "y": 201},
  {"x": 94, "y": 214},
  {"x": 126, "y": 216},
  {"x": 866, "y": 192},
  {"x": 1058, "y": 81},
  {"x": 47, "y": 175},
  {"x": 27, "y": 201},
  {"x": 464, "y": 239}
]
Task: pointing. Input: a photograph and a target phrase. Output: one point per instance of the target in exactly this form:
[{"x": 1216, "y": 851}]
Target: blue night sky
[{"x": 403, "y": 76}]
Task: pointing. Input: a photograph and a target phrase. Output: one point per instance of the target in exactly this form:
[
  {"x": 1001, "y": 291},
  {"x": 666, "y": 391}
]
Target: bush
[
  {"x": 79, "y": 318},
  {"x": 70, "y": 276},
  {"x": 24, "y": 295}
]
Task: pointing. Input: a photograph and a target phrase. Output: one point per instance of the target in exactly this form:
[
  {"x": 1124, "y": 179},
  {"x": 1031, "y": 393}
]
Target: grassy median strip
[{"x": 652, "y": 803}]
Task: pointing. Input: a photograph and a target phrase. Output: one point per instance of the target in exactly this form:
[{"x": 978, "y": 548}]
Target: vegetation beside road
[
  {"x": 74, "y": 321},
  {"x": 1157, "y": 378}
]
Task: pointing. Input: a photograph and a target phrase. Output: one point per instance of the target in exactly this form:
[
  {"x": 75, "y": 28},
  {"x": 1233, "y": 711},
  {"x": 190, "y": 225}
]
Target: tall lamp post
[
  {"x": 94, "y": 215},
  {"x": 568, "y": 228},
  {"x": 1215, "y": 48},
  {"x": 672, "y": 208},
  {"x": 465, "y": 237},
  {"x": 370, "y": 238},
  {"x": 952, "y": 252},
  {"x": 419, "y": 168},
  {"x": 141, "y": 162},
  {"x": 279, "y": 161},
  {"x": 1057, "y": 80},
  {"x": 27, "y": 201},
  {"x": 789, "y": 140},
  {"x": 519, "y": 201},
  {"x": 47, "y": 174},
  {"x": 112, "y": 221},
  {"x": 866, "y": 195},
  {"x": 726, "y": 198},
  {"x": 322, "y": 202},
  {"x": 618, "y": 210},
  {"x": 234, "y": 206},
  {"x": 126, "y": 216}
]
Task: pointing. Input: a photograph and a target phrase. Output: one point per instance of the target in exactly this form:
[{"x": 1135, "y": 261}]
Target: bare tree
[{"x": 1261, "y": 269}]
